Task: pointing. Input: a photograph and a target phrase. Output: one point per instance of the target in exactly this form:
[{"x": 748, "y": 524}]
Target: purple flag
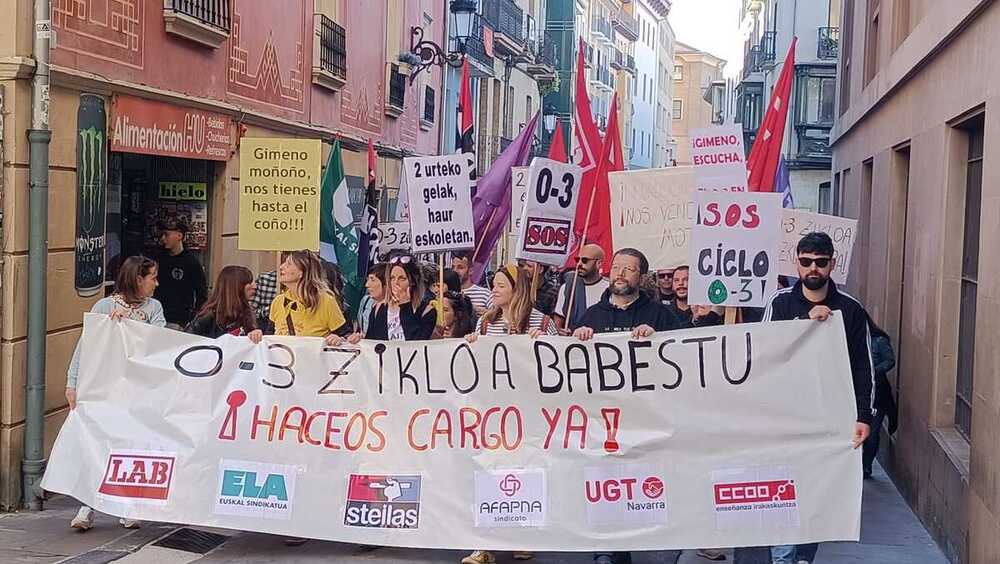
[
  {"x": 491, "y": 204},
  {"x": 782, "y": 183}
]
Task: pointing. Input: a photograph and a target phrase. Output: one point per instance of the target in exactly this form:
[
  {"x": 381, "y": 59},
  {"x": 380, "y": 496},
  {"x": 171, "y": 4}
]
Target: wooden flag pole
[
  {"x": 440, "y": 292},
  {"x": 583, "y": 241},
  {"x": 479, "y": 245},
  {"x": 534, "y": 284}
]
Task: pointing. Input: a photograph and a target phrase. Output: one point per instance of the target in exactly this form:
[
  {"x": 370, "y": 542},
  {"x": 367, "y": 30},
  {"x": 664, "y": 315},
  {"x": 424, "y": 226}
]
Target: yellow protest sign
[{"x": 279, "y": 194}]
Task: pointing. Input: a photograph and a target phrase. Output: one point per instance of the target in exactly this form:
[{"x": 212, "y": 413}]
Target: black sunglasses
[
  {"x": 806, "y": 262},
  {"x": 585, "y": 260}
]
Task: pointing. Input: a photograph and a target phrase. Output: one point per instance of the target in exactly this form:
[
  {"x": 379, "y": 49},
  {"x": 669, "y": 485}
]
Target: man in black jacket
[
  {"x": 815, "y": 296},
  {"x": 183, "y": 288},
  {"x": 623, "y": 307}
]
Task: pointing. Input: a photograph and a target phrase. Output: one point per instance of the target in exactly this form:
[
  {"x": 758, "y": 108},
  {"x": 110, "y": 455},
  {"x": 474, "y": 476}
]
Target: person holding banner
[
  {"x": 132, "y": 299},
  {"x": 228, "y": 310},
  {"x": 407, "y": 314},
  {"x": 459, "y": 317},
  {"x": 307, "y": 307},
  {"x": 590, "y": 286},
  {"x": 692, "y": 316},
  {"x": 548, "y": 288},
  {"x": 816, "y": 296},
  {"x": 513, "y": 311}
]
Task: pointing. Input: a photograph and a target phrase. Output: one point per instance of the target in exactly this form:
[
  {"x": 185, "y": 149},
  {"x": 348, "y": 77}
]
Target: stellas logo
[
  {"x": 138, "y": 475},
  {"x": 628, "y": 494},
  {"x": 383, "y": 501},
  {"x": 255, "y": 489}
]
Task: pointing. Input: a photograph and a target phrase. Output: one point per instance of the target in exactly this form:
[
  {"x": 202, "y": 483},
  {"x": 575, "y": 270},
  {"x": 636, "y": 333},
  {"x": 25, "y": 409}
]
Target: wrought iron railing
[
  {"x": 505, "y": 17},
  {"x": 828, "y": 46},
  {"x": 475, "y": 47},
  {"x": 544, "y": 50},
  {"x": 332, "y": 47},
  {"x": 627, "y": 24},
  {"x": 210, "y": 12},
  {"x": 767, "y": 54}
]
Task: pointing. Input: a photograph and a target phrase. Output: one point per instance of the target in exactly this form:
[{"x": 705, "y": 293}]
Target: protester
[
  {"x": 548, "y": 285},
  {"x": 624, "y": 308},
  {"x": 132, "y": 299},
  {"x": 590, "y": 286},
  {"x": 665, "y": 285},
  {"x": 267, "y": 289},
  {"x": 696, "y": 316},
  {"x": 885, "y": 405},
  {"x": 335, "y": 281},
  {"x": 407, "y": 314},
  {"x": 307, "y": 306},
  {"x": 228, "y": 310},
  {"x": 375, "y": 286},
  {"x": 461, "y": 263},
  {"x": 816, "y": 296},
  {"x": 459, "y": 317},
  {"x": 183, "y": 288}
]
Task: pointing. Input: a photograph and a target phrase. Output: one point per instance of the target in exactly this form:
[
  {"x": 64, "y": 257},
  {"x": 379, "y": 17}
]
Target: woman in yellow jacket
[{"x": 306, "y": 307}]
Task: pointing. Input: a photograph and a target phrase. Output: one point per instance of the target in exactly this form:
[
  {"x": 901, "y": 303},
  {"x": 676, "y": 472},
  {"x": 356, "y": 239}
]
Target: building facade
[
  {"x": 916, "y": 157},
  {"x": 644, "y": 88},
  {"x": 694, "y": 74},
  {"x": 770, "y": 26},
  {"x": 167, "y": 90},
  {"x": 664, "y": 146}
]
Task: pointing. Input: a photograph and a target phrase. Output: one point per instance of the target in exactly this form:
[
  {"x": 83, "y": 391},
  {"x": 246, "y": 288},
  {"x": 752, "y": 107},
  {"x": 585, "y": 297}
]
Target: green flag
[{"x": 338, "y": 238}]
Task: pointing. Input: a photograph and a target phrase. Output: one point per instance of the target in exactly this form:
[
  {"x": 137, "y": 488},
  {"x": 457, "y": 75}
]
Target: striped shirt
[
  {"x": 480, "y": 297},
  {"x": 536, "y": 320}
]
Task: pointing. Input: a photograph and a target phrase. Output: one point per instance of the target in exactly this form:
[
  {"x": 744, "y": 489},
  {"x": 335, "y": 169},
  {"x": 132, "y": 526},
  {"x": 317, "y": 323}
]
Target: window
[
  {"x": 969, "y": 279},
  {"x": 429, "y": 105},
  {"x": 678, "y": 109},
  {"x": 846, "y": 55},
  {"x": 643, "y": 86},
  {"x": 816, "y": 99},
  {"x": 529, "y": 108},
  {"x": 825, "y": 198},
  {"x": 900, "y": 23},
  {"x": 678, "y": 72},
  {"x": 872, "y": 40}
]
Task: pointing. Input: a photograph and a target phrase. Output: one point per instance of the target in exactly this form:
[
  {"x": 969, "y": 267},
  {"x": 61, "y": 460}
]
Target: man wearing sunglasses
[
  {"x": 590, "y": 286},
  {"x": 665, "y": 285},
  {"x": 815, "y": 296}
]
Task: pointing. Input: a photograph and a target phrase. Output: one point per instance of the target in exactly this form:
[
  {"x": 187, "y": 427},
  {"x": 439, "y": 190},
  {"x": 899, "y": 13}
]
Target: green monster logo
[{"x": 91, "y": 176}]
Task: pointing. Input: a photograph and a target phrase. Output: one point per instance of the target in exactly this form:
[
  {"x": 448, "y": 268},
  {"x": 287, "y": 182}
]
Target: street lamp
[
  {"x": 550, "y": 123},
  {"x": 429, "y": 53}
]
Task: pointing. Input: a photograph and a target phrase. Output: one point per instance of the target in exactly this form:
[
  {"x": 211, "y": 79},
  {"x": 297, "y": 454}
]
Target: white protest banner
[
  {"x": 734, "y": 248},
  {"x": 653, "y": 211},
  {"x": 717, "y": 153},
  {"x": 797, "y": 223},
  {"x": 547, "y": 219},
  {"x": 395, "y": 236},
  {"x": 440, "y": 203},
  {"x": 518, "y": 195},
  {"x": 616, "y": 444}
]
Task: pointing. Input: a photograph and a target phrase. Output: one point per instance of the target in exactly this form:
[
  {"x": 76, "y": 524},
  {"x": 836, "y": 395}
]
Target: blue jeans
[{"x": 784, "y": 554}]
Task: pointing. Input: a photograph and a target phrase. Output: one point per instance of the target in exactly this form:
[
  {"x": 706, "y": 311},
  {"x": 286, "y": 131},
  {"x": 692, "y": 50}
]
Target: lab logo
[
  {"x": 511, "y": 498},
  {"x": 383, "y": 501},
  {"x": 138, "y": 475},
  {"x": 758, "y": 497},
  {"x": 255, "y": 489}
]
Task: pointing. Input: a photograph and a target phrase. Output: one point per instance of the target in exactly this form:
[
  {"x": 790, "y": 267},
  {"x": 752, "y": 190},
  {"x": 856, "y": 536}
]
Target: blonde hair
[
  {"x": 313, "y": 283},
  {"x": 521, "y": 303}
]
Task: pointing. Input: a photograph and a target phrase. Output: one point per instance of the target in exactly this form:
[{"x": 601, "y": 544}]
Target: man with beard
[
  {"x": 623, "y": 307},
  {"x": 461, "y": 263},
  {"x": 815, "y": 296},
  {"x": 590, "y": 286},
  {"x": 690, "y": 316}
]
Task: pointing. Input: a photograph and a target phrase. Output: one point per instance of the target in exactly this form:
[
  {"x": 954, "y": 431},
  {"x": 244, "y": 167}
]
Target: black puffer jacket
[{"x": 605, "y": 317}]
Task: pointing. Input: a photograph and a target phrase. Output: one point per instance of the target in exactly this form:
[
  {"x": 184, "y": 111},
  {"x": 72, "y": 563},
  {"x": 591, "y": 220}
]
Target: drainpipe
[{"x": 33, "y": 464}]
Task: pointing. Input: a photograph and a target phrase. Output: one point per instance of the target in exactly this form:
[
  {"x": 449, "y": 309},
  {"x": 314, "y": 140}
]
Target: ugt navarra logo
[{"x": 383, "y": 501}]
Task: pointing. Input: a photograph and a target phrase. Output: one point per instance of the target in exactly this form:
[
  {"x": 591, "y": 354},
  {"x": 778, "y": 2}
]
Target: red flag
[
  {"x": 596, "y": 203},
  {"x": 557, "y": 150},
  {"x": 465, "y": 142},
  {"x": 766, "y": 152},
  {"x": 372, "y": 163},
  {"x": 586, "y": 137}
]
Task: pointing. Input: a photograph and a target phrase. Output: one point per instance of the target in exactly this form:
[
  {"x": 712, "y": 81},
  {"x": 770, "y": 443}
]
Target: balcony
[
  {"x": 618, "y": 62},
  {"x": 330, "y": 64},
  {"x": 203, "y": 21},
  {"x": 507, "y": 21},
  {"x": 396, "y": 93},
  {"x": 630, "y": 63},
  {"x": 626, "y": 24},
  {"x": 767, "y": 55},
  {"x": 542, "y": 58},
  {"x": 601, "y": 31},
  {"x": 751, "y": 63},
  {"x": 828, "y": 46},
  {"x": 603, "y": 78},
  {"x": 482, "y": 34},
  {"x": 588, "y": 54}
]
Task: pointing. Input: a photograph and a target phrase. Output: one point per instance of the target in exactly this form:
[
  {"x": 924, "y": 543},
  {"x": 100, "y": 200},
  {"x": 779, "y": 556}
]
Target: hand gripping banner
[{"x": 713, "y": 437}]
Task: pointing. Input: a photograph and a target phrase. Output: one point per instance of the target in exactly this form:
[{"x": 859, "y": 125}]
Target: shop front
[{"x": 163, "y": 165}]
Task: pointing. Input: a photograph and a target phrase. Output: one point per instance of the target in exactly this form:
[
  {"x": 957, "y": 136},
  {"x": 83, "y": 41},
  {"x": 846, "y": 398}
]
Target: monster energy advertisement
[{"x": 91, "y": 188}]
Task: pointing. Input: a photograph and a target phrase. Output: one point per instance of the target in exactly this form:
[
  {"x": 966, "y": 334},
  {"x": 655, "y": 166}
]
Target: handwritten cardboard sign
[
  {"x": 797, "y": 223},
  {"x": 652, "y": 211},
  {"x": 549, "y": 210},
  {"x": 440, "y": 203}
]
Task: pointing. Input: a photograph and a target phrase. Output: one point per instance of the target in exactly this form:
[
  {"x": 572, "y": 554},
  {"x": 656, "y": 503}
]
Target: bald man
[{"x": 589, "y": 287}]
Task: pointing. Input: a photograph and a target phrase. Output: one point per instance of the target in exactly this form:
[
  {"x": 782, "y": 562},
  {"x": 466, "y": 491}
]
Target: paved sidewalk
[{"x": 890, "y": 534}]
